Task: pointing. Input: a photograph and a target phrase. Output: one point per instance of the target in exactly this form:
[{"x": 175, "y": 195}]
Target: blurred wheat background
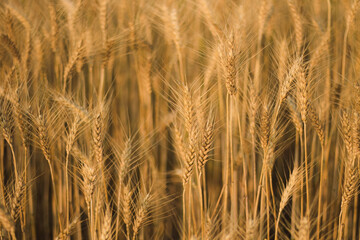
[{"x": 179, "y": 119}]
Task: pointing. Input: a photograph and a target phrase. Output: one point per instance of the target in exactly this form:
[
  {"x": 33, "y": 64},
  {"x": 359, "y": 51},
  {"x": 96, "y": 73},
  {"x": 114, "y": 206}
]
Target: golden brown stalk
[
  {"x": 44, "y": 146},
  {"x": 69, "y": 143},
  {"x": 186, "y": 109},
  {"x": 302, "y": 99},
  {"x": 99, "y": 206},
  {"x": 124, "y": 192},
  {"x": 267, "y": 148},
  {"x": 208, "y": 133},
  {"x": 320, "y": 132},
  {"x": 252, "y": 111},
  {"x": 229, "y": 65},
  {"x": 89, "y": 174},
  {"x": 253, "y": 105}
]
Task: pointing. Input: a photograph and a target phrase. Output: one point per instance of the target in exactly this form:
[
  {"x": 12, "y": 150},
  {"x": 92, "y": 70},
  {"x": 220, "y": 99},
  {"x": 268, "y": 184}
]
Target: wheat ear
[
  {"x": 6, "y": 222},
  {"x": 141, "y": 215},
  {"x": 106, "y": 225}
]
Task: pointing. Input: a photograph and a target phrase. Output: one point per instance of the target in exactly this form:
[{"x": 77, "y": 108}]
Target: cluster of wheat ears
[{"x": 179, "y": 119}]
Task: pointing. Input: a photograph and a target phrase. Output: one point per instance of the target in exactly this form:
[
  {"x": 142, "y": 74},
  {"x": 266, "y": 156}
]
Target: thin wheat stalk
[
  {"x": 69, "y": 143},
  {"x": 303, "y": 94},
  {"x": 44, "y": 145}
]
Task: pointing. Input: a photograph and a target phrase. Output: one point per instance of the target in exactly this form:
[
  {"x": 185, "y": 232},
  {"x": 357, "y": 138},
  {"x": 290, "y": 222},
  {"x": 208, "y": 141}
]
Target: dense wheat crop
[{"x": 179, "y": 119}]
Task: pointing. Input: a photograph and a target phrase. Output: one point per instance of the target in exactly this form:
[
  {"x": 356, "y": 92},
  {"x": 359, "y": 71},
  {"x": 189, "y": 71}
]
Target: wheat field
[{"x": 179, "y": 119}]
